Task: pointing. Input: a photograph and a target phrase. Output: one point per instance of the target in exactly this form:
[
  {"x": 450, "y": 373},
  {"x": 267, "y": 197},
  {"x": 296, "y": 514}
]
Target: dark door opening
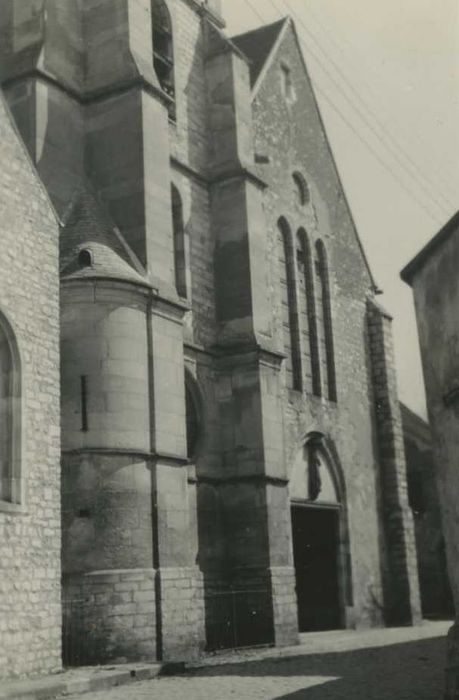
[{"x": 315, "y": 552}]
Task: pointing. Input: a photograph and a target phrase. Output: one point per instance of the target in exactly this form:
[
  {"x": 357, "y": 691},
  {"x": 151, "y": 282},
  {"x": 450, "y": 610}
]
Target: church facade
[{"x": 232, "y": 463}]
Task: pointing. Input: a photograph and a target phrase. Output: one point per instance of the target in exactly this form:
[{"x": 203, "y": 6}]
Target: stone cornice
[
  {"x": 113, "y": 282},
  {"x": 241, "y": 479},
  {"x": 159, "y": 298},
  {"x": 86, "y": 97},
  {"x": 240, "y": 172},
  {"x": 248, "y": 350},
  {"x": 172, "y": 459},
  {"x": 186, "y": 169}
]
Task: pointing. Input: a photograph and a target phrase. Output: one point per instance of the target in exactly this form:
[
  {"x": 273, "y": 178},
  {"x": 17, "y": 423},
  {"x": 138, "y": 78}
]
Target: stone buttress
[
  {"x": 401, "y": 587},
  {"x": 252, "y": 485},
  {"x": 79, "y": 79}
]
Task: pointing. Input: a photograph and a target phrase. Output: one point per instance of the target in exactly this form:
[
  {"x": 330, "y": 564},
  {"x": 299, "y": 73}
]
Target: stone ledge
[
  {"x": 78, "y": 681},
  {"x": 335, "y": 641}
]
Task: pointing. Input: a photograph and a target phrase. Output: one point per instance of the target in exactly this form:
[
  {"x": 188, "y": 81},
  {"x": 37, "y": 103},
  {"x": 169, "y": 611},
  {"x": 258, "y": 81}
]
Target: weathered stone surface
[
  {"x": 436, "y": 596},
  {"x": 30, "y": 538},
  {"x": 213, "y": 522},
  {"x": 433, "y": 277},
  {"x": 109, "y": 616},
  {"x": 293, "y": 140},
  {"x": 402, "y": 599}
]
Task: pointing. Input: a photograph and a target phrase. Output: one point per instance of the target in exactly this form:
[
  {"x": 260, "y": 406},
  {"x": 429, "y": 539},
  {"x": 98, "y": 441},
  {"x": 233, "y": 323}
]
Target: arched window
[
  {"x": 163, "y": 47},
  {"x": 307, "y": 308},
  {"x": 301, "y": 189},
  {"x": 288, "y": 89},
  {"x": 325, "y": 325},
  {"x": 313, "y": 477},
  {"x": 193, "y": 427},
  {"x": 10, "y": 415},
  {"x": 181, "y": 247},
  {"x": 290, "y": 322}
]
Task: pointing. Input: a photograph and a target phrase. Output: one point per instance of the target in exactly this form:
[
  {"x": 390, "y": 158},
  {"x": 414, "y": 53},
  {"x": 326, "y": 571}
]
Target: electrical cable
[
  {"x": 384, "y": 141},
  {"x": 378, "y": 77}
]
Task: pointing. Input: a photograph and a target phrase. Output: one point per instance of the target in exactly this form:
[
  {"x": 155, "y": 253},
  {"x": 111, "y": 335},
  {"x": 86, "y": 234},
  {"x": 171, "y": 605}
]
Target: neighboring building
[
  {"x": 433, "y": 275},
  {"x": 30, "y": 521},
  {"x": 232, "y": 453},
  {"x": 423, "y": 498}
]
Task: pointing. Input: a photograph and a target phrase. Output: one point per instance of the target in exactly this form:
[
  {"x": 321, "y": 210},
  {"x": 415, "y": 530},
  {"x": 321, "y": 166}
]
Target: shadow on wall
[
  {"x": 201, "y": 241},
  {"x": 382, "y": 601},
  {"x": 400, "y": 671},
  {"x": 234, "y": 555}
]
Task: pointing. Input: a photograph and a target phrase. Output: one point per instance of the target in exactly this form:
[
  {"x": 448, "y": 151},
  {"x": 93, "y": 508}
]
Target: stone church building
[{"x": 230, "y": 468}]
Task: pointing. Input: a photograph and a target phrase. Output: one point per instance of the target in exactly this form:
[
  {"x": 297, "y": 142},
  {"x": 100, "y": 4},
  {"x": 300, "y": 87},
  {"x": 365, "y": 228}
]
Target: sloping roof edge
[
  {"x": 289, "y": 22},
  {"x": 29, "y": 158},
  {"x": 410, "y": 270},
  {"x": 270, "y": 57},
  {"x": 413, "y": 422}
]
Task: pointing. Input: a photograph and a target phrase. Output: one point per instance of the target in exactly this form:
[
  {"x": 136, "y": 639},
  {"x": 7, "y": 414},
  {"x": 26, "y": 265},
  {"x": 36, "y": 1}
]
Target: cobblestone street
[{"x": 405, "y": 664}]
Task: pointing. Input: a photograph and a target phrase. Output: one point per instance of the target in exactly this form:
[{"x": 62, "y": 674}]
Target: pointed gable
[
  {"x": 297, "y": 137},
  {"x": 257, "y": 46}
]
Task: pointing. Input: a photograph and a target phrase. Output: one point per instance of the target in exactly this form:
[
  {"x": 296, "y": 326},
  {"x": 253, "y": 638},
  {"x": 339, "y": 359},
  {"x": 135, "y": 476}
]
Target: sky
[{"x": 386, "y": 76}]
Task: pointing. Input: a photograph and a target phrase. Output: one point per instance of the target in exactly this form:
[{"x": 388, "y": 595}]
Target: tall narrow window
[
  {"x": 326, "y": 343},
  {"x": 290, "y": 323},
  {"x": 84, "y": 403},
  {"x": 10, "y": 401},
  {"x": 287, "y": 83},
  {"x": 192, "y": 421},
  {"x": 308, "y": 313},
  {"x": 181, "y": 246},
  {"x": 301, "y": 189},
  {"x": 163, "y": 48}
]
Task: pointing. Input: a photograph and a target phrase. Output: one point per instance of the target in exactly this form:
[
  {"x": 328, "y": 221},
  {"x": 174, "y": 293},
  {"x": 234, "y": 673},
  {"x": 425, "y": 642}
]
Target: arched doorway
[{"x": 320, "y": 542}]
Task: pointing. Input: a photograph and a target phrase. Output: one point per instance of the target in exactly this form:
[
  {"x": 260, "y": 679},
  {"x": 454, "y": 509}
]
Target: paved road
[{"x": 404, "y": 666}]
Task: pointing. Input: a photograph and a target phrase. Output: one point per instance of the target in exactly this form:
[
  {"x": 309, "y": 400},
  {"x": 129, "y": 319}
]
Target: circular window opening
[
  {"x": 301, "y": 189},
  {"x": 85, "y": 258}
]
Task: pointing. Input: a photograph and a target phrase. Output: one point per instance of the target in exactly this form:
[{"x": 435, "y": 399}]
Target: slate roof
[
  {"x": 86, "y": 226},
  {"x": 257, "y": 45}
]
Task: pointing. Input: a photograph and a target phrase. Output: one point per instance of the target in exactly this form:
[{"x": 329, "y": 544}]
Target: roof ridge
[
  {"x": 261, "y": 28},
  {"x": 258, "y": 52}
]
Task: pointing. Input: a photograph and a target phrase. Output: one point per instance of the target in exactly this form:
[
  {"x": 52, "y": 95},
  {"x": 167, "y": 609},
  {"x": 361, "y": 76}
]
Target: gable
[
  {"x": 257, "y": 45},
  {"x": 292, "y": 135}
]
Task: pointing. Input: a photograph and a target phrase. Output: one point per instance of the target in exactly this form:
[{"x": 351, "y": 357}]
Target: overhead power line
[
  {"x": 256, "y": 12},
  {"x": 413, "y": 193},
  {"x": 397, "y": 147},
  {"x": 382, "y": 162},
  {"x": 386, "y": 140},
  {"x": 378, "y": 77}
]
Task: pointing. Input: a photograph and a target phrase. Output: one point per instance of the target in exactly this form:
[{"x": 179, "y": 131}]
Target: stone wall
[
  {"x": 433, "y": 277},
  {"x": 109, "y": 617},
  {"x": 293, "y": 139},
  {"x": 189, "y": 148},
  {"x": 424, "y": 501},
  {"x": 234, "y": 490},
  {"x": 402, "y": 600},
  {"x": 189, "y": 131},
  {"x": 30, "y": 535}
]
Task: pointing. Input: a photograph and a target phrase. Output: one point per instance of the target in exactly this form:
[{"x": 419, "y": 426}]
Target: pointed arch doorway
[{"x": 320, "y": 541}]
